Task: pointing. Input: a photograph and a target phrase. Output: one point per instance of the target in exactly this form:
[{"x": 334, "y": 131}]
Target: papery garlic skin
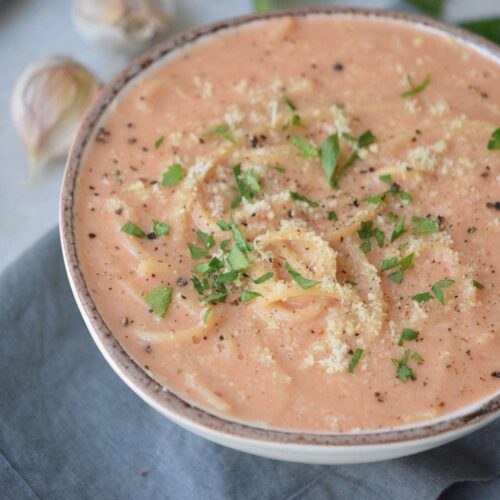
[
  {"x": 123, "y": 24},
  {"x": 48, "y": 103}
]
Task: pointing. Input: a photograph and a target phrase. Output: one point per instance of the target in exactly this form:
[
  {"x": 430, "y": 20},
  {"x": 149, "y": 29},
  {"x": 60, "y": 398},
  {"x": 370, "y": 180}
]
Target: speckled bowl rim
[{"x": 134, "y": 376}]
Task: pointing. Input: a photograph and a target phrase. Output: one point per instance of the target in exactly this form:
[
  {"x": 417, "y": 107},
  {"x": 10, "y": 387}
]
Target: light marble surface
[{"x": 33, "y": 29}]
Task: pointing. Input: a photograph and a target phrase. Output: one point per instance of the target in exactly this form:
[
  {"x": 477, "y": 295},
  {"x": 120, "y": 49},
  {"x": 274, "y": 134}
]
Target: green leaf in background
[
  {"x": 430, "y": 7},
  {"x": 489, "y": 28}
]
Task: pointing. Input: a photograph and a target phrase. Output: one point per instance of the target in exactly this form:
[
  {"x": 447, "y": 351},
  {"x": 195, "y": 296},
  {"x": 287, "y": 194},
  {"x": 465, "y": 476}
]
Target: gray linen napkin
[{"x": 70, "y": 429}]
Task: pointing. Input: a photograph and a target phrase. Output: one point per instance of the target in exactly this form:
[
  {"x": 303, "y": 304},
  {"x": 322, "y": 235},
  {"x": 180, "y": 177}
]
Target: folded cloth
[{"x": 70, "y": 429}]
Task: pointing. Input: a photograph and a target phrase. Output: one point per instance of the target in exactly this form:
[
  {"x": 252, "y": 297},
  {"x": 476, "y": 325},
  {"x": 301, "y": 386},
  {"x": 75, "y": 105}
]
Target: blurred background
[{"x": 31, "y": 30}]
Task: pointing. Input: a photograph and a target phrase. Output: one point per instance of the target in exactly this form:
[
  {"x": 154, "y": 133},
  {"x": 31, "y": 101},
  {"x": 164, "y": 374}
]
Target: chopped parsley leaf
[
  {"x": 355, "y": 360},
  {"x": 329, "y": 155},
  {"x": 130, "y": 228},
  {"x": 403, "y": 372},
  {"x": 239, "y": 238},
  {"x": 237, "y": 260},
  {"x": 281, "y": 170},
  {"x": 173, "y": 175},
  {"x": 300, "y": 197},
  {"x": 196, "y": 252},
  {"x": 228, "y": 277},
  {"x": 222, "y": 130},
  {"x": 477, "y": 284},
  {"x": 424, "y": 225},
  {"x": 159, "y": 141},
  {"x": 300, "y": 280},
  {"x": 160, "y": 228},
  {"x": 386, "y": 178},
  {"x": 407, "y": 334},
  {"x": 422, "y": 297},
  {"x": 494, "y": 142},
  {"x": 207, "y": 239},
  {"x": 206, "y": 314},
  {"x": 247, "y": 295},
  {"x": 437, "y": 288},
  {"x": 215, "y": 297},
  {"x": 223, "y": 225},
  {"x": 263, "y": 278},
  {"x": 415, "y": 88},
  {"x": 224, "y": 245},
  {"x": 399, "y": 229},
  {"x": 159, "y": 299},
  {"x": 304, "y": 146},
  {"x": 332, "y": 215}
]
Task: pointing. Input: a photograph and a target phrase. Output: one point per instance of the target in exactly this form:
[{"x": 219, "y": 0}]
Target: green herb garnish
[
  {"x": 238, "y": 237},
  {"x": 332, "y": 215},
  {"x": 399, "y": 229},
  {"x": 159, "y": 299},
  {"x": 159, "y": 141},
  {"x": 173, "y": 175},
  {"x": 424, "y": 225},
  {"x": 228, "y": 277},
  {"x": 207, "y": 239},
  {"x": 160, "y": 228},
  {"x": 263, "y": 278},
  {"x": 224, "y": 245},
  {"x": 237, "y": 260},
  {"x": 437, "y": 288},
  {"x": 494, "y": 142},
  {"x": 247, "y": 295},
  {"x": 477, "y": 284},
  {"x": 300, "y": 197},
  {"x": 407, "y": 334},
  {"x": 422, "y": 297},
  {"x": 304, "y": 146},
  {"x": 199, "y": 285},
  {"x": 415, "y": 88},
  {"x": 281, "y": 170},
  {"x": 403, "y": 372},
  {"x": 130, "y": 228},
  {"x": 300, "y": 280},
  {"x": 223, "y": 225},
  {"x": 196, "y": 252},
  {"x": 329, "y": 155},
  {"x": 355, "y": 360},
  {"x": 247, "y": 184},
  {"x": 215, "y": 297},
  {"x": 222, "y": 130},
  {"x": 472, "y": 229},
  {"x": 206, "y": 314}
]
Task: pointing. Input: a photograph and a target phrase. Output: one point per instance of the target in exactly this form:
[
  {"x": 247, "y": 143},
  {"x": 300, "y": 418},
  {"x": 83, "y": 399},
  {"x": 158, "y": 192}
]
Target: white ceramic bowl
[{"x": 333, "y": 448}]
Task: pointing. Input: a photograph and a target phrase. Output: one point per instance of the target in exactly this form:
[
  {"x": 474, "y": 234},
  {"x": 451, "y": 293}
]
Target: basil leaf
[
  {"x": 238, "y": 237},
  {"x": 196, "y": 252}
]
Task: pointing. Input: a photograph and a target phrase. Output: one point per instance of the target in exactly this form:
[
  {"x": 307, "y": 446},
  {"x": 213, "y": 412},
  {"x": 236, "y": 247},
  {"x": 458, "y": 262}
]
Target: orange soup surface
[{"x": 296, "y": 223}]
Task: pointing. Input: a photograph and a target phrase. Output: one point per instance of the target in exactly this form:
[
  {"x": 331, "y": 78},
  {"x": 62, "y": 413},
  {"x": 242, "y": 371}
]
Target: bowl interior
[{"x": 135, "y": 377}]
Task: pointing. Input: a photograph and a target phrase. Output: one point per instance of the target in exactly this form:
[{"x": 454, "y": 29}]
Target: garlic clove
[
  {"x": 122, "y": 24},
  {"x": 48, "y": 103}
]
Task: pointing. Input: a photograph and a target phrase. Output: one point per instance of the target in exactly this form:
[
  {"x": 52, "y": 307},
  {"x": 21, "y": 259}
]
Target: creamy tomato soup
[{"x": 296, "y": 223}]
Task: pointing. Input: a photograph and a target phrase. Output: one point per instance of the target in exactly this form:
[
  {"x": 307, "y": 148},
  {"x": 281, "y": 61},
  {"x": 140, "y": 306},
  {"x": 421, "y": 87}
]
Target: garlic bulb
[
  {"x": 49, "y": 100},
  {"x": 122, "y": 24}
]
